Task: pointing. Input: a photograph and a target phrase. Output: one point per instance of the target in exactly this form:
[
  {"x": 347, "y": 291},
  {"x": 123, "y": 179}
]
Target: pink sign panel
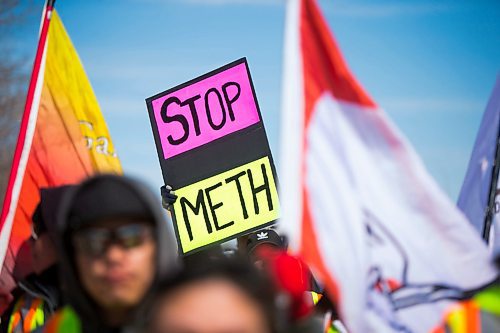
[{"x": 204, "y": 110}]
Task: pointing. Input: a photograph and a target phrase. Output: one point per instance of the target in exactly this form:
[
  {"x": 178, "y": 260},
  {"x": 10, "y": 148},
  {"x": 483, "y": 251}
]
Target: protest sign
[{"x": 213, "y": 151}]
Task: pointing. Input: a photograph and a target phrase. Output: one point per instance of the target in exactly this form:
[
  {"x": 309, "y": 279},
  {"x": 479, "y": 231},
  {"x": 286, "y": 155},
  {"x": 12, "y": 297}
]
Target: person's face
[
  {"x": 115, "y": 260},
  {"x": 43, "y": 253},
  {"x": 210, "y": 306}
]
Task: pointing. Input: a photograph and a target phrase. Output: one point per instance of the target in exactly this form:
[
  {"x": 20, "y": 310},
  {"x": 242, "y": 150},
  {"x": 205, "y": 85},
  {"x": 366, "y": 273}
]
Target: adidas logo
[{"x": 262, "y": 235}]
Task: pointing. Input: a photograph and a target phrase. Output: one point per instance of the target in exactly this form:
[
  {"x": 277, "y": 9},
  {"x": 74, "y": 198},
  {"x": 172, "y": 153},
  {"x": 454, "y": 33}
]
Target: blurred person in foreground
[
  {"x": 38, "y": 296},
  {"x": 228, "y": 295},
  {"x": 114, "y": 247},
  {"x": 221, "y": 296}
]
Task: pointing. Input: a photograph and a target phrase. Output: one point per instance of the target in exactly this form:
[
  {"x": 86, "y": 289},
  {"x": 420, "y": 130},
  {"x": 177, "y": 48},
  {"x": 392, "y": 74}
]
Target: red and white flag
[{"x": 357, "y": 202}]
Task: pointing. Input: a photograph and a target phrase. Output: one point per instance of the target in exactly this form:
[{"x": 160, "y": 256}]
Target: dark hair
[{"x": 252, "y": 282}]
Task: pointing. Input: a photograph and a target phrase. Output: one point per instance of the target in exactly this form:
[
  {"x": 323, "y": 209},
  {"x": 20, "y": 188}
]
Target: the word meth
[{"x": 227, "y": 204}]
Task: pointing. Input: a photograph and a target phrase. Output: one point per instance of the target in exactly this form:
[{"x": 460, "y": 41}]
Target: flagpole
[{"x": 490, "y": 210}]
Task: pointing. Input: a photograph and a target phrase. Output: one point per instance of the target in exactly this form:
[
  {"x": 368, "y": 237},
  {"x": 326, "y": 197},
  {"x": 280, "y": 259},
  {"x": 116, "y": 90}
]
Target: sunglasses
[{"x": 95, "y": 241}]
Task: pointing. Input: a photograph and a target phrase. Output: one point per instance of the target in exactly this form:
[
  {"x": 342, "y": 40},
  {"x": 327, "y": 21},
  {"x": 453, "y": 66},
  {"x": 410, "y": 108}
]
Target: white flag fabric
[
  {"x": 357, "y": 202},
  {"x": 474, "y": 196}
]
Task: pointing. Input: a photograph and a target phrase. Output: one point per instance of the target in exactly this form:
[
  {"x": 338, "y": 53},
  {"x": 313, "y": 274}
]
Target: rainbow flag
[{"x": 63, "y": 137}]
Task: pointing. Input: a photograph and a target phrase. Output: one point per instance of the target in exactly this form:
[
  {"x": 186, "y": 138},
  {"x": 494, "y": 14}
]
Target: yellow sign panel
[{"x": 226, "y": 205}]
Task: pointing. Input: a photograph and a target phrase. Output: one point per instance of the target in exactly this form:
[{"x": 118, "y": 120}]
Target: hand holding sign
[
  {"x": 168, "y": 197},
  {"x": 213, "y": 149}
]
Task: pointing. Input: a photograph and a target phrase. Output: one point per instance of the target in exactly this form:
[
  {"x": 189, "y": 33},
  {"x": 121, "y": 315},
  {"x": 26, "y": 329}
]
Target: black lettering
[
  {"x": 236, "y": 179},
  {"x": 263, "y": 187},
  {"x": 178, "y": 118},
  {"x": 194, "y": 114},
  {"x": 209, "y": 113},
  {"x": 230, "y": 101},
  {"x": 216, "y": 206},
  {"x": 200, "y": 204}
]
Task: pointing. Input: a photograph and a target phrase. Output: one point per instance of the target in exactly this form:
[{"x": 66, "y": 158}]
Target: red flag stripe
[
  {"x": 23, "y": 145},
  {"x": 312, "y": 254},
  {"x": 323, "y": 64}
]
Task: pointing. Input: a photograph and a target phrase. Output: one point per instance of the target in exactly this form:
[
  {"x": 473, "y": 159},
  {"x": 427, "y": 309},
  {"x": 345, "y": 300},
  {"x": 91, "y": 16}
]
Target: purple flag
[{"x": 475, "y": 193}]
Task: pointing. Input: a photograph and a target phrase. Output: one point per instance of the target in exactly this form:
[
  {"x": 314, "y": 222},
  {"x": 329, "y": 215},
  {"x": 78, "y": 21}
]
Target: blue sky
[{"x": 430, "y": 64}]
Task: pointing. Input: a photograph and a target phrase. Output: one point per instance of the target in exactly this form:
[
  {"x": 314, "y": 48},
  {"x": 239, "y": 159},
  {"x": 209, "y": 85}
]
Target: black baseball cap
[{"x": 264, "y": 236}]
